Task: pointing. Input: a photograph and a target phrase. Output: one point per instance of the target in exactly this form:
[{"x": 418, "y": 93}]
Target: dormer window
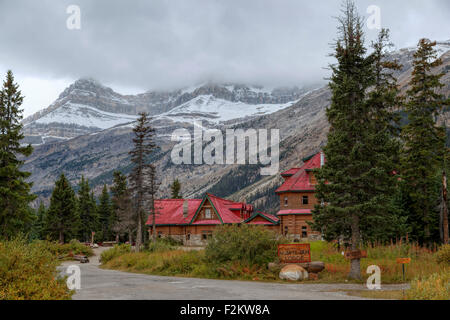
[
  {"x": 207, "y": 213},
  {"x": 285, "y": 201}
]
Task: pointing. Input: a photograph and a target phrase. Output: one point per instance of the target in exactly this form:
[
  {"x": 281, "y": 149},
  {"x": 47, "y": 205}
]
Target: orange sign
[
  {"x": 403, "y": 260},
  {"x": 356, "y": 254},
  {"x": 294, "y": 253}
]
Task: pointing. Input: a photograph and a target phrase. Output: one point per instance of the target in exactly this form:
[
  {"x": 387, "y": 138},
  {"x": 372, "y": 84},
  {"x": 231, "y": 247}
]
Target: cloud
[{"x": 164, "y": 44}]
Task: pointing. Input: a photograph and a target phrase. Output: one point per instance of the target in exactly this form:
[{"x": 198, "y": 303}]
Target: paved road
[{"x": 98, "y": 283}]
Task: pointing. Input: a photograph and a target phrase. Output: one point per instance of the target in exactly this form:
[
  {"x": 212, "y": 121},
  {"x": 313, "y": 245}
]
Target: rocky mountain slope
[
  {"x": 303, "y": 129},
  {"x": 87, "y": 106}
]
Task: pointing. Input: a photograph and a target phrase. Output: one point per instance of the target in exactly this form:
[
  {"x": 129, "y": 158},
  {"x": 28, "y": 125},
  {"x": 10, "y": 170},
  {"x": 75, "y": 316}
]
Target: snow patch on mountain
[
  {"x": 212, "y": 109},
  {"x": 86, "y": 116}
]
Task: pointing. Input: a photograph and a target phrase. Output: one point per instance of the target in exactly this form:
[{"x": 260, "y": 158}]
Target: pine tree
[
  {"x": 424, "y": 142},
  {"x": 105, "y": 213},
  {"x": 175, "y": 190},
  {"x": 14, "y": 190},
  {"x": 62, "y": 219},
  {"x": 356, "y": 182},
  {"x": 142, "y": 176},
  {"x": 39, "y": 223},
  {"x": 123, "y": 220},
  {"x": 87, "y": 208}
]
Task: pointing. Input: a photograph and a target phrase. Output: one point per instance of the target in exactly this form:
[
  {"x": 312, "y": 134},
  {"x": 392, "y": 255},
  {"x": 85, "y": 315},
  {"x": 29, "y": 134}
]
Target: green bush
[
  {"x": 432, "y": 287},
  {"x": 246, "y": 244},
  {"x": 116, "y": 251},
  {"x": 443, "y": 254},
  {"x": 162, "y": 244},
  {"x": 66, "y": 250},
  {"x": 28, "y": 272}
]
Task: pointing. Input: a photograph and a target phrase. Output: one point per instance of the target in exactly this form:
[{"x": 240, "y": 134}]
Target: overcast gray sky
[{"x": 134, "y": 46}]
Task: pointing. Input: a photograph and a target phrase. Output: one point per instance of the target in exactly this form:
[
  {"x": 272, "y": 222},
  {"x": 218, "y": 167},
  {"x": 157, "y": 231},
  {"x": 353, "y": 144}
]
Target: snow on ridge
[
  {"x": 83, "y": 115},
  {"x": 217, "y": 110}
]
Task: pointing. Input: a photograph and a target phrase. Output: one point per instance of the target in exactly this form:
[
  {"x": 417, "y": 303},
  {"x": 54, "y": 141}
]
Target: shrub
[
  {"x": 116, "y": 251},
  {"x": 247, "y": 244},
  {"x": 162, "y": 244},
  {"x": 28, "y": 272},
  {"x": 432, "y": 287},
  {"x": 443, "y": 254}
]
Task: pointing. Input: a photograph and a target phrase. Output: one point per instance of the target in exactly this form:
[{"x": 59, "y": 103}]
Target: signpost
[
  {"x": 403, "y": 261},
  {"x": 356, "y": 254},
  {"x": 294, "y": 253}
]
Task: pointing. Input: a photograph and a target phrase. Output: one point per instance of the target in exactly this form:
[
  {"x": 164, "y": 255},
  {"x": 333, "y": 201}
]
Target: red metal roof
[
  {"x": 170, "y": 211},
  {"x": 270, "y": 219},
  {"x": 299, "y": 181},
  {"x": 224, "y": 209},
  {"x": 294, "y": 211}
]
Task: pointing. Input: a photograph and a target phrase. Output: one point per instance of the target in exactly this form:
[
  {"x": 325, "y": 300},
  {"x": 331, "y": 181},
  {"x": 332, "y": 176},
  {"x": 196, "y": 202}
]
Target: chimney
[
  {"x": 185, "y": 208},
  {"x": 322, "y": 159}
]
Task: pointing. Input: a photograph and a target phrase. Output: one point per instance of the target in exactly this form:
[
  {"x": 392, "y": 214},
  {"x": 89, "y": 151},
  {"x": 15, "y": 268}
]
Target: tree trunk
[
  {"x": 61, "y": 237},
  {"x": 139, "y": 233},
  {"x": 355, "y": 265},
  {"x": 117, "y": 238},
  {"x": 444, "y": 209}
]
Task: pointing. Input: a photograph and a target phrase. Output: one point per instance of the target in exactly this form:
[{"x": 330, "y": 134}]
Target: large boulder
[{"x": 293, "y": 272}]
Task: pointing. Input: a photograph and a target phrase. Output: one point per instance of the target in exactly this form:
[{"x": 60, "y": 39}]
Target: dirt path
[{"x": 98, "y": 283}]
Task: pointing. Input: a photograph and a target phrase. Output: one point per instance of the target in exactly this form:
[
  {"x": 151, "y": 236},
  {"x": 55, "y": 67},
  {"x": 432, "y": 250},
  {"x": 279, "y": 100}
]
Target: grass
[
  {"x": 378, "y": 294},
  {"x": 429, "y": 278}
]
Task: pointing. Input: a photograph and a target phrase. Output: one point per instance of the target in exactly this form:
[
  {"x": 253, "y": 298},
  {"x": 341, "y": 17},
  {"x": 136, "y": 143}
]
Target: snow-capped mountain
[{"x": 87, "y": 107}]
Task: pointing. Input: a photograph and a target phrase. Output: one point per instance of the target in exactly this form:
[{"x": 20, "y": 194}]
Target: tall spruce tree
[
  {"x": 356, "y": 182},
  {"x": 142, "y": 176},
  {"x": 123, "y": 220},
  {"x": 87, "y": 209},
  {"x": 14, "y": 190},
  {"x": 105, "y": 213},
  {"x": 424, "y": 142},
  {"x": 62, "y": 219},
  {"x": 39, "y": 222},
  {"x": 175, "y": 189}
]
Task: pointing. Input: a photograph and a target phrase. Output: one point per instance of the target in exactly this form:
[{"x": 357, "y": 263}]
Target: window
[
  {"x": 305, "y": 200},
  {"x": 159, "y": 234},
  {"x": 188, "y": 236},
  {"x": 286, "y": 230},
  {"x": 206, "y": 234},
  {"x": 285, "y": 201},
  {"x": 304, "y": 232},
  {"x": 207, "y": 213}
]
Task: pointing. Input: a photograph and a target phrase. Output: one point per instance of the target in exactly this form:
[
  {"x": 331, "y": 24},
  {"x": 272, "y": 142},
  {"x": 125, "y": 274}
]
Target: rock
[
  {"x": 293, "y": 272},
  {"x": 316, "y": 266},
  {"x": 313, "y": 276}
]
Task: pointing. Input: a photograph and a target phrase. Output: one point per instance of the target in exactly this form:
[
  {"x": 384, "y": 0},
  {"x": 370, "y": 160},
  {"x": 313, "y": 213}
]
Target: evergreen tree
[
  {"x": 142, "y": 176},
  {"x": 357, "y": 181},
  {"x": 424, "y": 143},
  {"x": 105, "y": 213},
  {"x": 14, "y": 190},
  {"x": 62, "y": 220},
  {"x": 87, "y": 210},
  {"x": 39, "y": 222},
  {"x": 175, "y": 190},
  {"x": 123, "y": 220}
]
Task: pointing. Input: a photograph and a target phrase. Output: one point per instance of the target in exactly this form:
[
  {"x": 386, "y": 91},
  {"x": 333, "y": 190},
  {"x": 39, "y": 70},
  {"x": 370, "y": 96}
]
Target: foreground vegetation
[
  {"x": 227, "y": 257},
  {"x": 28, "y": 271}
]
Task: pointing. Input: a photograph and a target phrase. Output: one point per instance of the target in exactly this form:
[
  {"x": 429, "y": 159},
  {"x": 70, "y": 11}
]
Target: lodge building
[{"x": 192, "y": 221}]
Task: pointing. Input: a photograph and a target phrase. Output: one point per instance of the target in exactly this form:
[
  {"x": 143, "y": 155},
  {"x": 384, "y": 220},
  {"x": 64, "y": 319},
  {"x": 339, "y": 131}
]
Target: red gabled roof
[
  {"x": 224, "y": 208},
  {"x": 299, "y": 181},
  {"x": 170, "y": 211},
  {"x": 269, "y": 219},
  {"x": 290, "y": 172}
]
